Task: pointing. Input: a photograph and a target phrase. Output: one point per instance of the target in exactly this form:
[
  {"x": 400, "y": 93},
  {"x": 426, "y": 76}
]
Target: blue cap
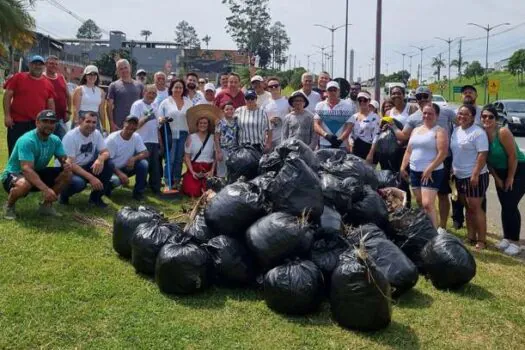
[
  {"x": 250, "y": 94},
  {"x": 37, "y": 58}
]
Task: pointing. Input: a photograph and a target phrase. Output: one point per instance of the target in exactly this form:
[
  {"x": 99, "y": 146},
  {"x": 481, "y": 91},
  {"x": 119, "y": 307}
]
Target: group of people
[{"x": 156, "y": 130}]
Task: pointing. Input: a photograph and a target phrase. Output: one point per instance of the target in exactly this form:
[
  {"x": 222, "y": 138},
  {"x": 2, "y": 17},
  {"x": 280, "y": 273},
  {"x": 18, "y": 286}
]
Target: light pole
[
  {"x": 322, "y": 48},
  {"x": 488, "y": 28},
  {"x": 403, "y": 54},
  {"x": 421, "y": 63},
  {"x": 346, "y": 38},
  {"x": 449, "y": 42},
  {"x": 332, "y": 29},
  {"x": 379, "y": 15},
  {"x": 308, "y": 62}
]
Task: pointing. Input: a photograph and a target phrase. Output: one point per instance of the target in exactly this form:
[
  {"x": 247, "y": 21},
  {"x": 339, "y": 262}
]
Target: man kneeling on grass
[
  {"x": 128, "y": 157},
  {"x": 27, "y": 168}
]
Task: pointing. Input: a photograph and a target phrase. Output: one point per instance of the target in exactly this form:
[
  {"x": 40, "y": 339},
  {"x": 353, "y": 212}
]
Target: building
[{"x": 502, "y": 65}]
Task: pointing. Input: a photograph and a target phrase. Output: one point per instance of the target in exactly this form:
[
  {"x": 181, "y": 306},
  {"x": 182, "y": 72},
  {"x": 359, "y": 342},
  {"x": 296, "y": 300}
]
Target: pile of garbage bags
[{"x": 305, "y": 227}]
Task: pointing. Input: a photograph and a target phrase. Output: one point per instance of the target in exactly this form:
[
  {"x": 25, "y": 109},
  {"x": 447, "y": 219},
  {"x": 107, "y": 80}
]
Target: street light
[
  {"x": 410, "y": 64},
  {"x": 488, "y": 28},
  {"x": 448, "y": 41},
  {"x": 332, "y": 29},
  {"x": 403, "y": 54},
  {"x": 322, "y": 48},
  {"x": 346, "y": 38},
  {"x": 377, "y": 82},
  {"x": 421, "y": 64}
]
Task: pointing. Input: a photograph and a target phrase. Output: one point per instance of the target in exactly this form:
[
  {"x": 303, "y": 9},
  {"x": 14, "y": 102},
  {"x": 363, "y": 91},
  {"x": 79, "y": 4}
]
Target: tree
[
  {"x": 107, "y": 62},
  {"x": 15, "y": 19},
  {"x": 207, "y": 40},
  {"x": 249, "y": 27},
  {"x": 280, "y": 42},
  {"x": 186, "y": 36},
  {"x": 474, "y": 70},
  {"x": 438, "y": 63},
  {"x": 145, "y": 33},
  {"x": 516, "y": 65},
  {"x": 89, "y": 30},
  {"x": 459, "y": 63}
]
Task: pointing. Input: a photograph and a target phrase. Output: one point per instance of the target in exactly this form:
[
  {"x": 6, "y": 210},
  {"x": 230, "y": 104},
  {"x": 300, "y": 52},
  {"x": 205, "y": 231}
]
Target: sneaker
[
  {"x": 48, "y": 211},
  {"x": 441, "y": 231},
  {"x": 457, "y": 225},
  {"x": 512, "y": 250},
  {"x": 99, "y": 204},
  {"x": 503, "y": 244},
  {"x": 9, "y": 212}
]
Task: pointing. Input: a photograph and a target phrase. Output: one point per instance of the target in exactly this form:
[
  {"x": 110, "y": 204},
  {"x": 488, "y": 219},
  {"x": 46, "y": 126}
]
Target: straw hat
[{"x": 197, "y": 112}]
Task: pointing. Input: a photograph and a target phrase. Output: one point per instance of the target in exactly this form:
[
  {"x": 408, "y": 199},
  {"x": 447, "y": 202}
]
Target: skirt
[{"x": 195, "y": 187}]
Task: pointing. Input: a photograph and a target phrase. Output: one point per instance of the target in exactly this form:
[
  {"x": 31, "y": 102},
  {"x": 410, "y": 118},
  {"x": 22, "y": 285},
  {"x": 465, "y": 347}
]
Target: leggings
[{"x": 509, "y": 200}]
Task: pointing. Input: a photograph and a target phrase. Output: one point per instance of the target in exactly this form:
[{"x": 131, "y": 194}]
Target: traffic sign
[
  {"x": 456, "y": 89},
  {"x": 494, "y": 87},
  {"x": 413, "y": 83},
  {"x": 433, "y": 87}
]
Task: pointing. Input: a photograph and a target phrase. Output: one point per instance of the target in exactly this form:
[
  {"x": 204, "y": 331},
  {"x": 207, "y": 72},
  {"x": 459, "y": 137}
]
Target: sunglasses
[
  {"x": 361, "y": 100},
  {"x": 250, "y": 98},
  {"x": 488, "y": 116},
  {"x": 275, "y": 86},
  {"x": 202, "y": 82},
  {"x": 422, "y": 96}
]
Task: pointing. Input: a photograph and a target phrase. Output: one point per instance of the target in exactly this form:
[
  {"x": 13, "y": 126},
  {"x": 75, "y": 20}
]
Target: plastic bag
[
  {"x": 264, "y": 181},
  {"x": 386, "y": 144},
  {"x": 296, "y": 190},
  {"x": 371, "y": 208},
  {"x": 199, "y": 230},
  {"x": 333, "y": 155},
  {"x": 331, "y": 220},
  {"x": 300, "y": 149},
  {"x": 215, "y": 183},
  {"x": 325, "y": 253},
  {"x": 386, "y": 178},
  {"x": 243, "y": 161},
  {"x": 447, "y": 263},
  {"x": 234, "y": 209},
  {"x": 182, "y": 267},
  {"x": 147, "y": 241},
  {"x": 125, "y": 222},
  {"x": 352, "y": 167},
  {"x": 356, "y": 234},
  {"x": 270, "y": 162},
  {"x": 360, "y": 295},
  {"x": 232, "y": 263},
  {"x": 294, "y": 288},
  {"x": 277, "y": 237}
]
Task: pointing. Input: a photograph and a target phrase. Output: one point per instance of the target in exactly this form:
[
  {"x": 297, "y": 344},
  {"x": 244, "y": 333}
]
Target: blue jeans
[
  {"x": 154, "y": 166},
  {"x": 78, "y": 183},
  {"x": 60, "y": 129},
  {"x": 140, "y": 171},
  {"x": 176, "y": 148}
]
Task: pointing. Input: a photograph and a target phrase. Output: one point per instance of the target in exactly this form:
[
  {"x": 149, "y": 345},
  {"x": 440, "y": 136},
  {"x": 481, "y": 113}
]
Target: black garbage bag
[
  {"x": 386, "y": 144},
  {"x": 199, "y": 230},
  {"x": 354, "y": 235},
  {"x": 264, "y": 181},
  {"x": 412, "y": 229},
  {"x": 325, "y": 253},
  {"x": 331, "y": 155},
  {"x": 300, "y": 149},
  {"x": 270, "y": 162},
  {"x": 447, "y": 263},
  {"x": 387, "y": 178},
  {"x": 296, "y": 190},
  {"x": 232, "y": 263},
  {"x": 243, "y": 161},
  {"x": 331, "y": 220},
  {"x": 215, "y": 183},
  {"x": 331, "y": 186},
  {"x": 182, "y": 267},
  {"x": 234, "y": 209},
  {"x": 360, "y": 295},
  {"x": 147, "y": 241},
  {"x": 371, "y": 208},
  {"x": 125, "y": 222},
  {"x": 354, "y": 167},
  {"x": 277, "y": 237},
  {"x": 294, "y": 288}
]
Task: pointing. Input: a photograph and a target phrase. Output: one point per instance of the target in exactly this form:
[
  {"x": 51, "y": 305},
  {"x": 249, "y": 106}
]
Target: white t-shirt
[
  {"x": 121, "y": 150},
  {"x": 277, "y": 108},
  {"x": 313, "y": 99},
  {"x": 263, "y": 99},
  {"x": 168, "y": 108},
  {"x": 477, "y": 117},
  {"x": 465, "y": 145},
  {"x": 333, "y": 120},
  {"x": 83, "y": 149},
  {"x": 366, "y": 129},
  {"x": 194, "y": 144},
  {"x": 161, "y": 96},
  {"x": 148, "y": 131}
]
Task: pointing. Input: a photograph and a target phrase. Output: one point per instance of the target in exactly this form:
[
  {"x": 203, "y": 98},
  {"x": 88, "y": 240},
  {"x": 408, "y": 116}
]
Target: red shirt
[
  {"x": 30, "y": 96},
  {"x": 60, "y": 88},
  {"x": 224, "y": 96}
]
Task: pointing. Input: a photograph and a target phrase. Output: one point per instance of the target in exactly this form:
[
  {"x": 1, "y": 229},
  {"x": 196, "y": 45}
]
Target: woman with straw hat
[
  {"x": 88, "y": 97},
  {"x": 199, "y": 148}
]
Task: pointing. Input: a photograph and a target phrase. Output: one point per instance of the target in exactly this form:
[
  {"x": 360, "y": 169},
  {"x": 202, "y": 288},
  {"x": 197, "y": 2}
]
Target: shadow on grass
[
  {"x": 473, "y": 291},
  {"x": 414, "y": 299},
  {"x": 215, "y": 297},
  {"x": 396, "y": 336}
]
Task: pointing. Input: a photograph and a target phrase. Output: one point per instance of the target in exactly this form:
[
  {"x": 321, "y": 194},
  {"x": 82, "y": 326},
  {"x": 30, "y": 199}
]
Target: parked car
[
  {"x": 439, "y": 100},
  {"x": 513, "y": 112}
]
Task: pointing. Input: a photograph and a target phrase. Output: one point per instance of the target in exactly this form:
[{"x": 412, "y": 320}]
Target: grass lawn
[{"x": 62, "y": 286}]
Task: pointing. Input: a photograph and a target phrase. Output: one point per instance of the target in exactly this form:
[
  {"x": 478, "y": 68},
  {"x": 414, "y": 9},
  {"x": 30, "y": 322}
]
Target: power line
[{"x": 61, "y": 7}]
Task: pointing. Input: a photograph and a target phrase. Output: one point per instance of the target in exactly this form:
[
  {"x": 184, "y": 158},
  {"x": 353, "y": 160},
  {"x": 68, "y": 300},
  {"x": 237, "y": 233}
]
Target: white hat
[
  {"x": 364, "y": 94},
  {"x": 375, "y": 104},
  {"x": 90, "y": 69},
  {"x": 256, "y": 78},
  {"x": 209, "y": 86},
  {"x": 141, "y": 71},
  {"x": 332, "y": 84}
]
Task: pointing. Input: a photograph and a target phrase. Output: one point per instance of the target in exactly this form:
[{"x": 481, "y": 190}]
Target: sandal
[{"x": 481, "y": 245}]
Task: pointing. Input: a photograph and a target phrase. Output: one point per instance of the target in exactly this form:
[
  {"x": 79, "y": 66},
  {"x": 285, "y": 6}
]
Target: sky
[{"x": 405, "y": 23}]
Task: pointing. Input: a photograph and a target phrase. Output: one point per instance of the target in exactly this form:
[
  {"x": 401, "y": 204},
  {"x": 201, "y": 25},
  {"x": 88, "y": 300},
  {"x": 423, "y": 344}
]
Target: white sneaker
[
  {"x": 441, "y": 231},
  {"x": 512, "y": 250},
  {"x": 503, "y": 244}
]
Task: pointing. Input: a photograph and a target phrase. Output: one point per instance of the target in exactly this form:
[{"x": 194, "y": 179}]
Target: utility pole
[
  {"x": 379, "y": 15},
  {"x": 449, "y": 41},
  {"x": 332, "y": 29},
  {"x": 403, "y": 54},
  {"x": 322, "y": 48},
  {"x": 488, "y": 28},
  {"x": 346, "y": 38},
  {"x": 410, "y": 64},
  {"x": 294, "y": 61},
  {"x": 308, "y": 62},
  {"x": 421, "y": 49}
]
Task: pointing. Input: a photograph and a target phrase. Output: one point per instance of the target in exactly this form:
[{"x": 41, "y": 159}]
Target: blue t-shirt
[{"x": 30, "y": 148}]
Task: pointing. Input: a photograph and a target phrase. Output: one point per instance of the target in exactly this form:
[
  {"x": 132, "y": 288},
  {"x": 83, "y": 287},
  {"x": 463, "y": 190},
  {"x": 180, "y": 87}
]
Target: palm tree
[
  {"x": 207, "y": 40},
  {"x": 145, "y": 33},
  {"x": 438, "y": 63},
  {"x": 460, "y": 64}
]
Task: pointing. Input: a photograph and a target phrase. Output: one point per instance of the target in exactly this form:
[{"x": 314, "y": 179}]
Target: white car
[{"x": 439, "y": 100}]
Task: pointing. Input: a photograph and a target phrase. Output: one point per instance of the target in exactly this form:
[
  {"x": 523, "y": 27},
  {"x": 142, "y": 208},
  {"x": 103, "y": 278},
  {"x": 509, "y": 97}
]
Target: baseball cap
[
  {"x": 364, "y": 94},
  {"x": 256, "y": 78},
  {"x": 423, "y": 90},
  {"x": 466, "y": 87},
  {"x": 375, "y": 104},
  {"x": 36, "y": 58},
  {"x": 46, "y": 114},
  {"x": 141, "y": 71},
  {"x": 250, "y": 94},
  {"x": 332, "y": 84},
  {"x": 131, "y": 118},
  {"x": 90, "y": 69},
  {"x": 209, "y": 86}
]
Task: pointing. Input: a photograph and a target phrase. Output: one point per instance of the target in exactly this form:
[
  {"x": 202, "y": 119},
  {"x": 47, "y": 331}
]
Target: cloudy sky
[{"x": 405, "y": 23}]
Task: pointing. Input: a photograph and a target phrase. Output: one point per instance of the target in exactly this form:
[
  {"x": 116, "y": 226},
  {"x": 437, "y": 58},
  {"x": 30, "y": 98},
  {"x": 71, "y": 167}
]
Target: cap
[
  {"x": 46, "y": 114},
  {"x": 364, "y": 94},
  {"x": 256, "y": 78},
  {"x": 250, "y": 93},
  {"x": 131, "y": 118},
  {"x": 141, "y": 71},
  {"x": 423, "y": 90},
  {"x": 209, "y": 86},
  {"x": 332, "y": 84},
  {"x": 375, "y": 104},
  {"x": 36, "y": 58},
  {"x": 90, "y": 69},
  {"x": 298, "y": 94},
  {"x": 466, "y": 87}
]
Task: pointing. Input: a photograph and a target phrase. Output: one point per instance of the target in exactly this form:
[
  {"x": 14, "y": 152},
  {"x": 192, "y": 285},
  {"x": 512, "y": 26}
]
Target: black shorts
[
  {"x": 445, "y": 188},
  {"x": 47, "y": 175},
  {"x": 465, "y": 188}
]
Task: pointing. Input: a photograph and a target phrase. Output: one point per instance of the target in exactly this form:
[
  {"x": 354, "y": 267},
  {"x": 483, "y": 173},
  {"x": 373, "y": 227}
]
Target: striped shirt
[{"x": 253, "y": 125}]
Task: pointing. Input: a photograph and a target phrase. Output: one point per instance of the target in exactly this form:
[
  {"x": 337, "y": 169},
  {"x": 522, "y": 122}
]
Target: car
[
  {"x": 513, "y": 112},
  {"x": 439, "y": 100}
]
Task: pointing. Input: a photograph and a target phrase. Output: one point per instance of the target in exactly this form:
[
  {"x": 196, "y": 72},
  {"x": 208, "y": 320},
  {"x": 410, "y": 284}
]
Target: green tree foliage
[
  {"x": 279, "y": 44},
  {"x": 474, "y": 70},
  {"x": 15, "y": 19},
  {"x": 438, "y": 63},
  {"x": 89, "y": 30},
  {"x": 516, "y": 65},
  {"x": 206, "y": 40},
  {"x": 107, "y": 62},
  {"x": 145, "y": 33},
  {"x": 186, "y": 36}
]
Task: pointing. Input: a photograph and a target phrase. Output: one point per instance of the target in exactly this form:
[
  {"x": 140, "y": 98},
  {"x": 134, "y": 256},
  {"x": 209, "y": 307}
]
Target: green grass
[{"x": 62, "y": 286}]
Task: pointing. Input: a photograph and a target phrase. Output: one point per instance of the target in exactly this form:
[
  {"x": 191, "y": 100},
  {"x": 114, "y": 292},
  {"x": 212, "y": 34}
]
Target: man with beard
[
  {"x": 194, "y": 95},
  {"x": 223, "y": 81},
  {"x": 355, "y": 89},
  {"x": 27, "y": 169},
  {"x": 62, "y": 96},
  {"x": 26, "y": 95},
  {"x": 232, "y": 94},
  {"x": 322, "y": 80}
]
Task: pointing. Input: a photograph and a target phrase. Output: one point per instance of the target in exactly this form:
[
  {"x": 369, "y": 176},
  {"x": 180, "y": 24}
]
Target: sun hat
[
  {"x": 90, "y": 69},
  {"x": 197, "y": 112},
  {"x": 298, "y": 94}
]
